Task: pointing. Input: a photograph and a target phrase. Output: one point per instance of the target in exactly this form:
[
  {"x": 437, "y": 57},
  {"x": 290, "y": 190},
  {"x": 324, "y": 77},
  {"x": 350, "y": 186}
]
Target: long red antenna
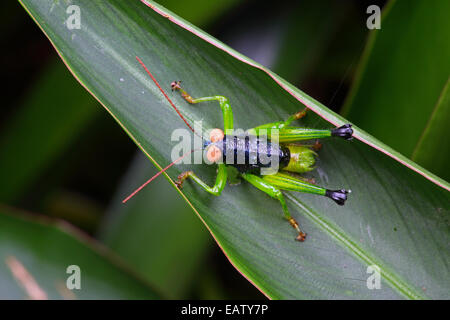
[
  {"x": 165, "y": 95},
  {"x": 155, "y": 176}
]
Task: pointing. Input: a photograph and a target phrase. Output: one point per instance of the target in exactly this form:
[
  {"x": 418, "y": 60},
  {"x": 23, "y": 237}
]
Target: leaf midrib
[{"x": 345, "y": 241}]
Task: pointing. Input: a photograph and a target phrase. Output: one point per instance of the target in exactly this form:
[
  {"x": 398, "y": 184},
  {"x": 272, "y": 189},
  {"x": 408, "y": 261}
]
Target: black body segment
[
  {"x": 339, "y": 196},
  {"x": 250, "y": 153}
]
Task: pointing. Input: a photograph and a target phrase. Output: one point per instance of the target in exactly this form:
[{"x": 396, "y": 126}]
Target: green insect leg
[
  {"x": 288, "y": 133},
  {"x": 276, "y": 193},
  {"x": 223, "y": 102},
  {"x": 295, "y": 116},
  {"x": 292, "y": 134},
  {"x": 285, "y": 181},
  {"x": 278, "y": 124},
  {"x": 227, "y": 112},
  {"x": 216, "y": 190}
]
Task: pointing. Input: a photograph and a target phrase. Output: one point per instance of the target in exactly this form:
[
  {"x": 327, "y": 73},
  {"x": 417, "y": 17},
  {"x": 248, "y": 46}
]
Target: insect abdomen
[
  {"x": 302, "y": 159},
  {"x": 247, "y": 153}
]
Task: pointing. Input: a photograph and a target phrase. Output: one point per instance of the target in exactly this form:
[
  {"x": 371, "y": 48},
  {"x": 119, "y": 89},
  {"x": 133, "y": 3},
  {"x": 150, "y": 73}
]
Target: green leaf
[
  {"x": 175, "y": 241},
  {"x": 46, "y": 249},
  {"x": 396, "y": 216},
  {"x": 403, "y": 71}
]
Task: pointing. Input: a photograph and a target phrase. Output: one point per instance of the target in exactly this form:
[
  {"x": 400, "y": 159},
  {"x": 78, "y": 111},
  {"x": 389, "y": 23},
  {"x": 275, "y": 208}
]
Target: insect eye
[
  {"x": 213, "y": 154},
  {"x": 216, "y": 135}
]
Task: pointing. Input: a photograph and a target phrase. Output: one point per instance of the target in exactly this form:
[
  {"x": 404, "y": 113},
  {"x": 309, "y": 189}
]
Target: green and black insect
[{"x": 290, "y": 157}]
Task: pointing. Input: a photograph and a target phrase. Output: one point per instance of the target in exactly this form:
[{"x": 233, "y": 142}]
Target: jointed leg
[
  {"x": 294, "y": 117},
  {"x": 308, "y": 180},
  {"x": 316, "y": 146},
  {"x": 288, "y": 133},
  {"x": 287, "y": 182},
  {"x": 292, "y": 134},
  {"x": 274, "y": 192},
  {"x": 278, "y": 124},
  {"x": 223, "y": 102},
  {"x": 216, "y": 190}
]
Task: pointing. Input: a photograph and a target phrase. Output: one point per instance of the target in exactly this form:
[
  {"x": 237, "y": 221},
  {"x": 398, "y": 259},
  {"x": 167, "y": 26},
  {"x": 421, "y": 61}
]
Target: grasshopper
[{"x": 290, "y": 158}]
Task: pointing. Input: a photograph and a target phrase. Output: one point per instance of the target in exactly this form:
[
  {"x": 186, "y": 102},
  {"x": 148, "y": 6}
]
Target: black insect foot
[
  {"x": 339, "y": 196},
  {"x": 344, "y": 131}
]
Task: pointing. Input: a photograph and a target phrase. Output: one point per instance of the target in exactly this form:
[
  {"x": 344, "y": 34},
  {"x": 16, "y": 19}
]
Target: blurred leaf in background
[
  {"x": 202, "y": 13},
  {"x": 433, "y": 148},
  {"x": 304, "y": 42},
  {"x": 41, "y": 129},
  {"x": 45, "y": 251},
  {"x": 401, "y": 79}
]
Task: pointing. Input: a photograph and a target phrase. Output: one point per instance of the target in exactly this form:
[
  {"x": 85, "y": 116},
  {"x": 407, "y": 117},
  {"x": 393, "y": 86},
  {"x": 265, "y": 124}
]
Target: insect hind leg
[
  {"x": 287, "y": 182},
  {"x": 276, "y": 193},
  {"x": 295, "y": 116}
]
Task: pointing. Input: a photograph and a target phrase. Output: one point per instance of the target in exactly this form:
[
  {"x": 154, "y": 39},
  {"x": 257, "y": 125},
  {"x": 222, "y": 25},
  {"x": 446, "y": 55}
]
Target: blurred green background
[{"x": 63, "y": 156}]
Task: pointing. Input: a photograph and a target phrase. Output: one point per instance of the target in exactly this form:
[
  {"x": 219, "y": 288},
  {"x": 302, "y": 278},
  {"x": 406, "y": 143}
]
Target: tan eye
[
  {"x": 213, "y": 154},
  {"x": 216, "y": 135}
]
